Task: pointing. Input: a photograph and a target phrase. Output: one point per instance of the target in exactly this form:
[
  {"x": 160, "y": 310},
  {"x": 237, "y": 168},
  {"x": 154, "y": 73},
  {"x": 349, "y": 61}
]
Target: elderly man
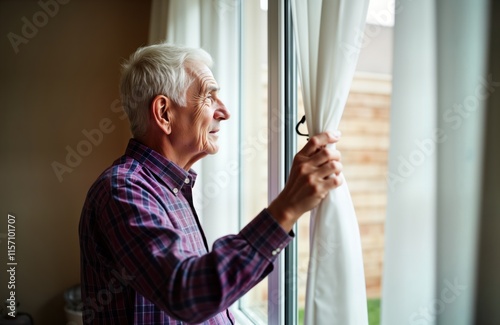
[{"x": 144, "y": 256}]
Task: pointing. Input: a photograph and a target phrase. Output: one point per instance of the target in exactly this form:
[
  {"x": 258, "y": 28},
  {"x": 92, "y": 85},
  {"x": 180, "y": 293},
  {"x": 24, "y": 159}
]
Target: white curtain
[
  {"x": 213, "y": 26},
  {"x": 439, "y": 89},
  {"x": 328, "y": 40}
]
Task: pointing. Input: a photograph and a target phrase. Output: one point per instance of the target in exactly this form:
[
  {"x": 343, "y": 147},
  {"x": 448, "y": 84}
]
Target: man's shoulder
[{"x": 122, "y": 171}]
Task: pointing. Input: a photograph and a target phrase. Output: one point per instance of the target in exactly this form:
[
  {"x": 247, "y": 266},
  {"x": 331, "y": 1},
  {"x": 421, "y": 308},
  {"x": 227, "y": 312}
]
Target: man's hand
[{"x": 315, "y": 171}]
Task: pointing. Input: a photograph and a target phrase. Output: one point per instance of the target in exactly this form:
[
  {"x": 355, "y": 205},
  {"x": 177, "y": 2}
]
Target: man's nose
[{"x": 222, "y": 113}]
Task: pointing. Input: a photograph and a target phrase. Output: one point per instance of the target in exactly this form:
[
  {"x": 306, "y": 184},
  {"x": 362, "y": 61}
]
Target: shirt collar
[{"x": 172, "y": 175}]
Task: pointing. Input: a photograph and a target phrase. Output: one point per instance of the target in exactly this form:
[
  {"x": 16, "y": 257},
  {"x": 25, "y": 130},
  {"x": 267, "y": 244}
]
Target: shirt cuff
[{"x": 266, "y": 235}]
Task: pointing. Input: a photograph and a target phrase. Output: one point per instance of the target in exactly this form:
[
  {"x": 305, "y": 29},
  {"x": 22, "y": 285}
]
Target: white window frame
[
  {"x": 276, "y": 167},
  {"x": 282, "y": 304}
]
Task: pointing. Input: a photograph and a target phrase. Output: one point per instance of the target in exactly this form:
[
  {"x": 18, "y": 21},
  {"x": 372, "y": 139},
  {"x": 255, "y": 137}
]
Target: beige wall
[{"x": 63, "y": 80}]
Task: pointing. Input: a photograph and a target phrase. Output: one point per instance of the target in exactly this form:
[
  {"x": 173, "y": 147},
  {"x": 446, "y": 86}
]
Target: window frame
[
  {"x": 290, "y": 84},
  {"x": 276, "y": 167},
  {"x": 282, "y": 117},
  {"x": 282, "y": 69}
]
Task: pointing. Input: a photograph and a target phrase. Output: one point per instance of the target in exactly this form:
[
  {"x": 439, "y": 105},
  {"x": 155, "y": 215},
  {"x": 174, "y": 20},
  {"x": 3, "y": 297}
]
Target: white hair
[{"x": 154, "y": 70}]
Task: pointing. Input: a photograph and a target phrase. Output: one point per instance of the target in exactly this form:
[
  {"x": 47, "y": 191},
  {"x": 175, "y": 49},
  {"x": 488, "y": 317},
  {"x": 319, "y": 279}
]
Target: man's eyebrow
[{"x": 212, "y": 88}]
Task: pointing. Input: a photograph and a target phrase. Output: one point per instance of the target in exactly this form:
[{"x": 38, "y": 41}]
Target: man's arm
[
  {"x": 142, "y": 241},
  {"x": 164, "y": 269}
]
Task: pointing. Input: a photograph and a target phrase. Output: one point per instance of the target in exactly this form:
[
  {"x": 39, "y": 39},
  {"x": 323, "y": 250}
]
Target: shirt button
[
  {"x": 274, "y": 252},
  {"x": 186, "y": 181},
  {"x": 175, "y": 190}
]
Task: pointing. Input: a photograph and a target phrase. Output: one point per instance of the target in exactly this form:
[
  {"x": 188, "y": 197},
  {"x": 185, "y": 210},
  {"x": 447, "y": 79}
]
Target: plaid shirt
[{"x": 144, "y": 257}]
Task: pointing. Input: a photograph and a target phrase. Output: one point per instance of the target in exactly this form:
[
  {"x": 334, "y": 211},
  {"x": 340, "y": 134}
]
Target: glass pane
[
  {"x": 364, "y": 146},
  {"x": 254, "y": 134}
]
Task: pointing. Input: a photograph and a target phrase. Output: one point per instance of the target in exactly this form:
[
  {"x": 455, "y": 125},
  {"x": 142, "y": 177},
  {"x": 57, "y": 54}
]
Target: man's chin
[{"x": 213, "y": 150}]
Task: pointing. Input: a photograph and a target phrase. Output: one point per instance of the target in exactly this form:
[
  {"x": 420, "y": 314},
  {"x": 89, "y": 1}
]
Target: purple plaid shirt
[{"x": 144, "y": 257}]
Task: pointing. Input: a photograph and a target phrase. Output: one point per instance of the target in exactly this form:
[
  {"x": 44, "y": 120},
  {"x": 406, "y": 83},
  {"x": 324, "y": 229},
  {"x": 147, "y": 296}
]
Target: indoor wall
[{"x": 60, "y": 125}]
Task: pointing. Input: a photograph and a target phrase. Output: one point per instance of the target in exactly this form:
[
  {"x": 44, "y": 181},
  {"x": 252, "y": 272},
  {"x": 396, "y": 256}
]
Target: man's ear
[{"x": 161, "y": 109}]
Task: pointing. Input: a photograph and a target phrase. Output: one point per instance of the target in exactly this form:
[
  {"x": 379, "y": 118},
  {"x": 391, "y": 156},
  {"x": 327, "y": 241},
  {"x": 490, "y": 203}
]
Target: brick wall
[{"x": 365, "y": 144}]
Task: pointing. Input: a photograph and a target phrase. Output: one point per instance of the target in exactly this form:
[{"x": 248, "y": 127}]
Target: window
[
  {"x": 254, "y": 136},
  {"x": 268, "y": 143}
]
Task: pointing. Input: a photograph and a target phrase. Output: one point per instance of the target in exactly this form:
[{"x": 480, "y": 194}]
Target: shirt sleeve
[{"x": 163, "y": 269}]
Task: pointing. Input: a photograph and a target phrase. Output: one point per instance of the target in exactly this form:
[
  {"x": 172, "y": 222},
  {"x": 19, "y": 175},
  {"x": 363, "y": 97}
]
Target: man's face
[{"x": 195, "y": 126}]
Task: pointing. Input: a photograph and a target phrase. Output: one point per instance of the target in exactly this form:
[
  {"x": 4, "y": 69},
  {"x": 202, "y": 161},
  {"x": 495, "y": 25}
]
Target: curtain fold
[
  {"x": 327, "y": 34},
  {"x": 158, "y": 21},
  {"x": 440, "y": 88}
]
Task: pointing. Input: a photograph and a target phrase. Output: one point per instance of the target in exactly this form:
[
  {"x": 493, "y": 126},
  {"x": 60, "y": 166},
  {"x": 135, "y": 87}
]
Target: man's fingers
[
  {"x": 319, "y": 141},
  {"x": 335, "y": 181},
  {"x": 330, "y": 168},
  {"x": 323, "y": 156}
]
